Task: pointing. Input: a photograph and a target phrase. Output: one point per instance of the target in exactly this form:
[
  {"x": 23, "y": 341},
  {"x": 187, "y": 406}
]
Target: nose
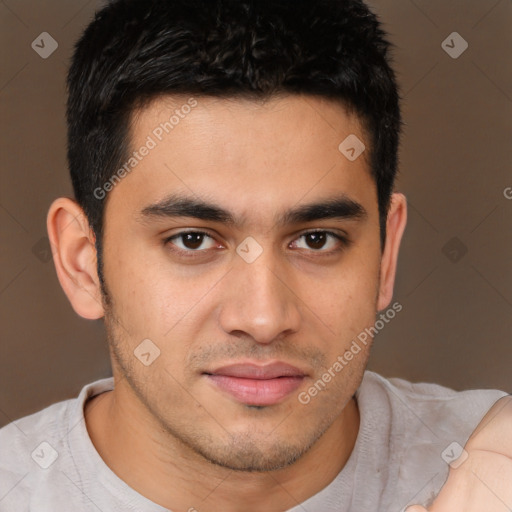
[{"x": 261, "y": 302}]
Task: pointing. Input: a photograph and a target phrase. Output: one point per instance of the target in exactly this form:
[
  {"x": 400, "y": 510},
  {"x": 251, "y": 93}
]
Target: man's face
[{"x": 251, "y": 311}]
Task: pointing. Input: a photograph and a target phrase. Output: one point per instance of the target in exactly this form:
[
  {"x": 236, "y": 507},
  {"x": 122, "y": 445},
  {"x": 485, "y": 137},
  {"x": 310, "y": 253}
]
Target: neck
[{"x": 164, "y": 470}]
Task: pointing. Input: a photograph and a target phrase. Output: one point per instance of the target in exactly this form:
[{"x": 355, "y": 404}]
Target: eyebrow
[{"x": 340, "y": 207}]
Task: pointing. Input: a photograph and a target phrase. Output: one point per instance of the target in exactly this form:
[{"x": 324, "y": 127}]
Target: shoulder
[
  {"x": 423, "y": 427},
  {"x": 415, "y": 413},
  {"x": 440, "y": 403},
  {"x": 20, "y": 437},
  {"x": 28, "y": 446},
  {"x": 420, "y": 407},
  {"x": 33, "y": 446}
]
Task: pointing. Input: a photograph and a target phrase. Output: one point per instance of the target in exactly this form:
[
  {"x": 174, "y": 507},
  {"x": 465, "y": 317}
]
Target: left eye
[{"x": 317, "y": 240}]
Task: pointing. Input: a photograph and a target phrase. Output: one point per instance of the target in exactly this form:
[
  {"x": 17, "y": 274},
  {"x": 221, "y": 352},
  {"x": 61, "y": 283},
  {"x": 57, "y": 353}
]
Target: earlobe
[
  {"x": 74, "y": 255},
  {"x": 395, "y": 226}
]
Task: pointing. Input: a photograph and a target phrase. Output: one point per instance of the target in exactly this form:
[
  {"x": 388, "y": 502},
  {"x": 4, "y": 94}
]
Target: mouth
[{"x": 257, "y": 385}]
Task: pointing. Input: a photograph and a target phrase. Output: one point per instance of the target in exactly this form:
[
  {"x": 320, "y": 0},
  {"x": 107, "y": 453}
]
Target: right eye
[{"x": 191, "y": 241}]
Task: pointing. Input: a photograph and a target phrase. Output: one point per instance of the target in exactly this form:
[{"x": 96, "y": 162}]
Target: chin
[{"x": 252, "y": 455}]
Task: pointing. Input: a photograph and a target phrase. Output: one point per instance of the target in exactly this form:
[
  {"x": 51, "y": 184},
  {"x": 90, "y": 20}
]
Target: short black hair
[{"x": 137, "y": 50}]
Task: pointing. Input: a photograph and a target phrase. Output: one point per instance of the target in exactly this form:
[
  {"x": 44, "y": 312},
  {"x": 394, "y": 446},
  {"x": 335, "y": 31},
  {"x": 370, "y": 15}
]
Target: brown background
[{"x": 455, "y": 268}]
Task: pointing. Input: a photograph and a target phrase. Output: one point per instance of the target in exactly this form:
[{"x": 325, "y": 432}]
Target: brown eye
[
  {"x": 321, "y": 241},
  {"x": 315, "y": 240},
  {"x": 192, "y": 241}
]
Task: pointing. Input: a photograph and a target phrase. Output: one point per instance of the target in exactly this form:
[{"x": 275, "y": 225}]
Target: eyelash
[{"x": 191, "y": 253}]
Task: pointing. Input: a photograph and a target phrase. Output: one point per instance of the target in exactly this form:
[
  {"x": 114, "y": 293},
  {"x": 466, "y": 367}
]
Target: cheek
[
  {"x": 347, "y": 298},
  {"x": 152, "y": 297},
  {"x": 143, "y": 297}
]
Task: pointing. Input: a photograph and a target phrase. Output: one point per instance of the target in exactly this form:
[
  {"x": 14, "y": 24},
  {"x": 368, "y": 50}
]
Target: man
[{"x": 235, "y": 225}]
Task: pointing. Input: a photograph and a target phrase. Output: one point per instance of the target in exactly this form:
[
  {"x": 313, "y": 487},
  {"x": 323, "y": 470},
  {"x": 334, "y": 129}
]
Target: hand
[{"x": 482, "y": 483}]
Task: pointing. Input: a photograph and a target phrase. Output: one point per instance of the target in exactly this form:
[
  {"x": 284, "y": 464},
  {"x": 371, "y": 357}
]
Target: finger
[
  {"x": 494, "y": 431},
  {"x": 481, "y": 483}
]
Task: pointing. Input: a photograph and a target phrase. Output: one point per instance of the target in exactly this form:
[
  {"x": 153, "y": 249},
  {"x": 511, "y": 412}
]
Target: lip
[
  {"x": 258, "y": 371},
  {"x": 253, "y": 384}
]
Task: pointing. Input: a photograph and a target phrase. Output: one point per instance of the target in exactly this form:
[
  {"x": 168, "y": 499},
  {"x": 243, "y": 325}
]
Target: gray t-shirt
[{"x": 406, "y": 439}]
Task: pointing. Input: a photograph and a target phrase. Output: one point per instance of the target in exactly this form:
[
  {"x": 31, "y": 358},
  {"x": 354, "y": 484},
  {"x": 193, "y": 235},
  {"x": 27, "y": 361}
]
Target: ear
[
  {"x": 395, "y": 226},
  {"x": 74, "y": 254}
]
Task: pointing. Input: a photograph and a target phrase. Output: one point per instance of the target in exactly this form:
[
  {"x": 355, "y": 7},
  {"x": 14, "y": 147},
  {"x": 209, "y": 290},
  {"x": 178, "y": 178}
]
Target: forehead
[
  {"x": 309, "y": 123},
  {"x": 244, "y": 153}
]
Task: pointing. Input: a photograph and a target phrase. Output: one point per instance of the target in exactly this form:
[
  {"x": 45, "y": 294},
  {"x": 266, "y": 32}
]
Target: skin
[
  {"x": 191, "y": 445},
  {"x": 482, "y": 482}
]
